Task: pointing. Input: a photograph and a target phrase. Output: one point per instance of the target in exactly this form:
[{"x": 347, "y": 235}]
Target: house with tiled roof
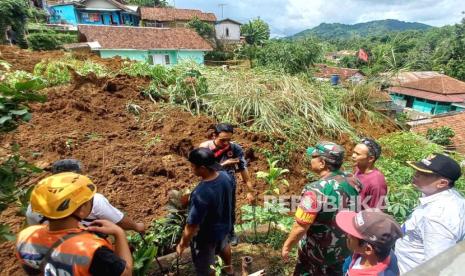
[
  {"x": 429, "y": 93},
  {"x": 165, "y": 46},
  {"x": 326, "y": 72},
  {"x": 94, "y": 12},
  {"x": 454, "y": 120},
  {"x": 172, "y": 17}
]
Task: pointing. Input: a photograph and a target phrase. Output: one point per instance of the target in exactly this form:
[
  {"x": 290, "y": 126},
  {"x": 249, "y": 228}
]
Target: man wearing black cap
[
  {"x": 438, "y": 222},
  {"x": 209, "y": 218}
]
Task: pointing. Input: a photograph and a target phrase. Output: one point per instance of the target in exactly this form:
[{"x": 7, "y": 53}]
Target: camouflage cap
[{"x": 331, "y": 152}]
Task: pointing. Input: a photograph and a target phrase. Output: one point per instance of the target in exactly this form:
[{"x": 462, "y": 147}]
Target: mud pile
[{"x": 133, "y": 159}]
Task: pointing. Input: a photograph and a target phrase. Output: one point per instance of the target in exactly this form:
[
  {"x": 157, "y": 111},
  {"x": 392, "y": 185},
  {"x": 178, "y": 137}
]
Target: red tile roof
[
  {"x": 455, "y": 98},
  {"x": 325, "y": 71},
  {"x": 172, "y": 14},
  {"x": 143, "y": 38},
  {"x": 429, "y": 85},
  {"x": 456, "y": 121},
  {"x": 438, "y": 84}
]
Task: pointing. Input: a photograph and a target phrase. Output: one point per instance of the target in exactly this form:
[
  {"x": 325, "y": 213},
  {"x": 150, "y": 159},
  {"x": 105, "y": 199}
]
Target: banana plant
[{"x": 273, "y": 177}]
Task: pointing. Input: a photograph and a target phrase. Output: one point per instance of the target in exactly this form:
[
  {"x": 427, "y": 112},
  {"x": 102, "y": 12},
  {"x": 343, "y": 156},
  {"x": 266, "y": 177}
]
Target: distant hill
[{"x": 378, "y": 27}]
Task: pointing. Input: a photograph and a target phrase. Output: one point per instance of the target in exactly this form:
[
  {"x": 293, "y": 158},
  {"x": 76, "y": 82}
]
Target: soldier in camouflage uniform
[{"x": 322, "y": 246}]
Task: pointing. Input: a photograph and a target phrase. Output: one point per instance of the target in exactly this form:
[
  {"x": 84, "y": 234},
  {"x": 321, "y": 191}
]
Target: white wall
[
  {"x": 234, "y": 31},
  {"x": 99, "y": 4}
]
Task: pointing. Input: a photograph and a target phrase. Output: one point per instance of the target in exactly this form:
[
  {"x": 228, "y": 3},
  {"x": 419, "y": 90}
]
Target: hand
[
  {"x": 140, "y": 227},
  {"x": 230, "y": 162},
  {"x": 105, "y": 227},
  {"x": 250, "y": 199},
  {"x": 180, "y": 249},
  {"x": 285, "y": 254}
]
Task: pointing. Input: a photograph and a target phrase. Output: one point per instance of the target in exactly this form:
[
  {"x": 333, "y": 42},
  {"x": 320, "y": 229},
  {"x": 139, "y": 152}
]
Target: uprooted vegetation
[{"x": 132, "y": 126}]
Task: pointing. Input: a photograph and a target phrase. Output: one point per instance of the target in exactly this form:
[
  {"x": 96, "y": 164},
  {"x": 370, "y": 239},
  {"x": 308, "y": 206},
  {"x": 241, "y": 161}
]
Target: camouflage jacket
[{"x": 324, "y": 244}]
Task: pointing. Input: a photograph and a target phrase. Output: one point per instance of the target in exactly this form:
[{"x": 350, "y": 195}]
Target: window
[
  {"x": 227, "y": 32},
  {"x": 114, "y": 19},
  {"x": 90, "y": 17},
  {"x": 161, "y": 59}
]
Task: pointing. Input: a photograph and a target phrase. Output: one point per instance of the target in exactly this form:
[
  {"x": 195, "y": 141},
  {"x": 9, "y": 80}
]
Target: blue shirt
[{"x": 210, "y": 207}]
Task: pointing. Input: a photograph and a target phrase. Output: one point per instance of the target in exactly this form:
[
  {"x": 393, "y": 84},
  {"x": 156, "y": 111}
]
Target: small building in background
[
  {"x": 337, "y": 56},
  {"x": 228, "y": 31},
  {"x": 423, "y": 94},
  {"x": 336, "y": 74},
  {"x": 95, "y": 12},
  {"x": 172, "y": 17},
  {"x": 164, "y": 46}
]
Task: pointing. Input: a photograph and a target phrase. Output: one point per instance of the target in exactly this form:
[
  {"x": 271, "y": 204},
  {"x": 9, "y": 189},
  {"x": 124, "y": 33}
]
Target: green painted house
[
  {"x": 428, "y": 92},
  {"x": 164, "y": 46}
]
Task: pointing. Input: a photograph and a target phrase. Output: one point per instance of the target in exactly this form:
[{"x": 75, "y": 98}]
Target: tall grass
[
  {"x": 291, "y": 107},
  {"x": 285, "y": 105}
]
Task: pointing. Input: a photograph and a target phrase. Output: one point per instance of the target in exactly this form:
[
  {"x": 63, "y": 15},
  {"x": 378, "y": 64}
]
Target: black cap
[
  {"x": 440, "y": 164},
  {"x": 66, "y": 165},
  {"x": 204, "y": 157}
]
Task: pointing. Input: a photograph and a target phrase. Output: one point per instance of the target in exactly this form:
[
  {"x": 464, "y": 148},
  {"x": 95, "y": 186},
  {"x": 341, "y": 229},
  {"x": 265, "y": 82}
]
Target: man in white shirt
[
  {"x": 438, "y": 222},
  {"x": 101, "y": 207}
]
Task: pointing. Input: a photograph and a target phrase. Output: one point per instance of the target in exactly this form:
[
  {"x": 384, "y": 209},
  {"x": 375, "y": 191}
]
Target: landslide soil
[{"x": 133, "y": 160}]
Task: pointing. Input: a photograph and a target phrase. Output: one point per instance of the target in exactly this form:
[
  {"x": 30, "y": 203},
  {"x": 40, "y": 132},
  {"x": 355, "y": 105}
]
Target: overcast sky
[{"x": 287, "y": 17}]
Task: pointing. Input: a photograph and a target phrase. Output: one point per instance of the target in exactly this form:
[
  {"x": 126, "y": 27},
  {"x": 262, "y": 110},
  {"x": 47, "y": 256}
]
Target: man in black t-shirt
[{"x": 209, "y": 219}]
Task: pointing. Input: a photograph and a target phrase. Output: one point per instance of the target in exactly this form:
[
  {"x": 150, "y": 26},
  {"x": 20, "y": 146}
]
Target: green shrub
[
  {"x": 43, "y": 41},
  {"x": 219, "y": 56},
  {"x": 49, "y": 40},
  {"x": 441, "y": 135},
  {"x": 11, "y": 78},
  {"x": 57, "y": 72},
  {"x": 14, "y": 103},
  {"x": 53, "y": 72}
]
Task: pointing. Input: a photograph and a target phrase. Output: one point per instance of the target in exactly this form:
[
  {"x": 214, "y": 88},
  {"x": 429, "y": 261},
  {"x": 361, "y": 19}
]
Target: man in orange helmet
[{"x": 62, "y": 247}]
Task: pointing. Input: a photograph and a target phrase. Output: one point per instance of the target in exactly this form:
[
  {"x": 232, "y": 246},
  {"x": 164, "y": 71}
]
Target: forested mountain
[{"x": 378, "y": 27}]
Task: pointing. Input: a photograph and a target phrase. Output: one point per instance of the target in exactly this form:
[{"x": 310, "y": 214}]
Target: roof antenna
[{"x": 222, "y": 5}]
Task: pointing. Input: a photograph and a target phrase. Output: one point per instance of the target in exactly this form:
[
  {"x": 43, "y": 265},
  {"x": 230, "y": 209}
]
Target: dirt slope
[{"x": 134, "y": 160}]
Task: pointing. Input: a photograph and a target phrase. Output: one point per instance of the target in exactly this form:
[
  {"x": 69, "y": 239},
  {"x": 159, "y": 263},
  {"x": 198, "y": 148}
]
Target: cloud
[{"x": 287, "y": 17}]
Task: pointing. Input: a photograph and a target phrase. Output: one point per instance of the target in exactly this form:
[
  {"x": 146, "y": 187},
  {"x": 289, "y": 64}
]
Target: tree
[
  {"x": 456, "y": 64},
  {"x": 256, "y": 32},
  {"x": 13, "y": 13},
  {"x": 204, "y": 29},
  {"x": 289, "y": 56},
  {"x": 149, "y": 3}
]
